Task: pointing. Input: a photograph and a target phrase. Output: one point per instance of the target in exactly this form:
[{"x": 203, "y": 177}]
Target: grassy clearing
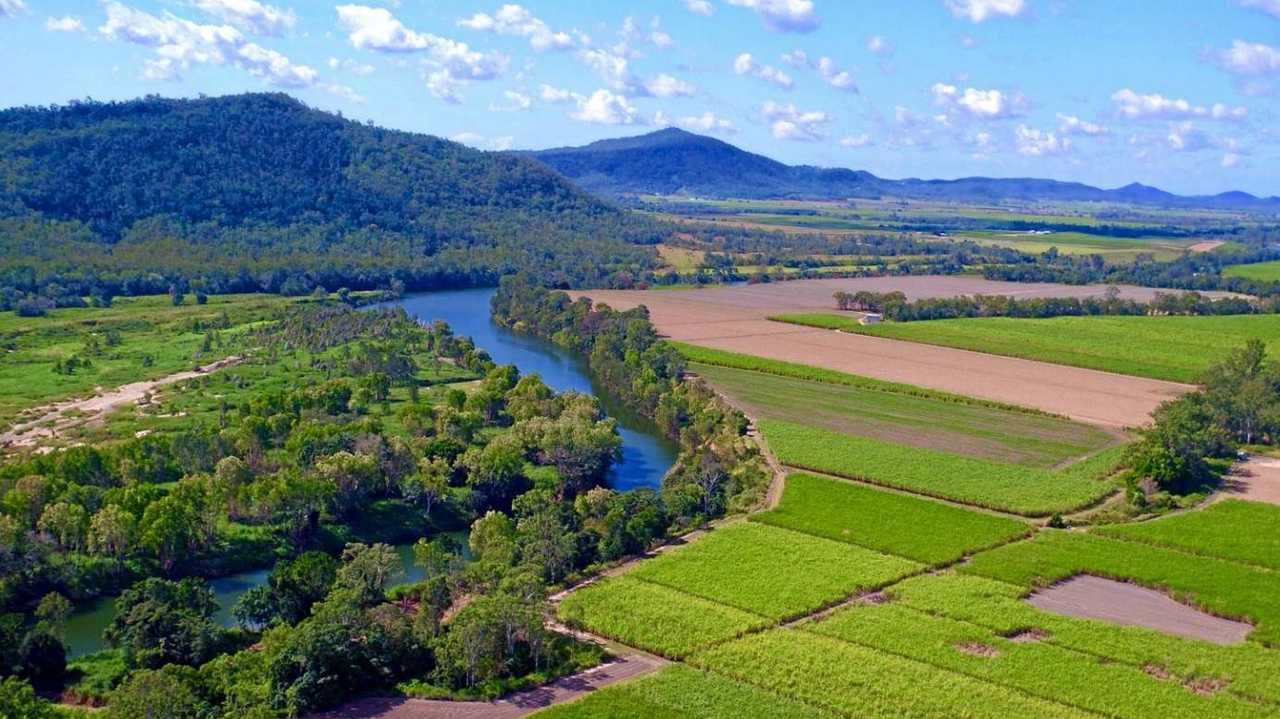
[
  {"x": 1218, "y": 586},
  {"x": 653, "y": 617},
  {"x": 1248, "y": 670},
  {"x": 919, "y": 529},
  {"x": 859, "y": 682},
  {"x": 1043, "y": 670},
  {"x": 1260, "y": 271},
  {"x": 679, "y": 692},
  {"x": 963, "y": 428},
  {"x": 1178, "y": 349},
  {"x": 1006, "y": 487},
  {"x": 1232, "y": 529},
  {"x": 775, "y": 573}
]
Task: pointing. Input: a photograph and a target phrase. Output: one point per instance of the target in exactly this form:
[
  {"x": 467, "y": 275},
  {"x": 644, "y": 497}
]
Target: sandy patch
[
  {"x": 1107, "y": 600},
  {"x": 1257, "y": 479},
  {"x": 1207, "y": 246}
]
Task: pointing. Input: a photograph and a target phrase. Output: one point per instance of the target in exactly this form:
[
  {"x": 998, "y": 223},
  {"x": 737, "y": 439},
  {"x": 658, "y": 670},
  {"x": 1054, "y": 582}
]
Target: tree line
[{"x": 895, "y": 306}]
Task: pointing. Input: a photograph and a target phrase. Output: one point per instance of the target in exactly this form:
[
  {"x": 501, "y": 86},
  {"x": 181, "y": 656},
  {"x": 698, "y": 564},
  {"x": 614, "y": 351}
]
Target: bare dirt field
[
  {"x": 1206, "y": 246},
  {"x": 1107, "y": 600},
  {"x": 734, "y": 318},
  {"x": 1257, "y": 479}
]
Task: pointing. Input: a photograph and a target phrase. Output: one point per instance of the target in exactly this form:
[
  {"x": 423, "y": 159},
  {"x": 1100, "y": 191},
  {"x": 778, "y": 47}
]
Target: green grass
[
  {"x": 1250, "y": 670},
  {"x": 1006, "y": 487},
  {"x": 1232, "y": 529},
  {"x": 916, "y": 419},
  {"x": 775, "y": 573},
  {"x": 1042, "y": 670},
  {"x": 654, "y": 617},
  {"x": 859, "y": 682},
  {"x": 1220, "y": 587},
  {"x": 1259, "y": 271},
  {"x": 1178, "y": 349},
  {"x": 679, "y": 692},
  {"x": 886, "y": 521}
]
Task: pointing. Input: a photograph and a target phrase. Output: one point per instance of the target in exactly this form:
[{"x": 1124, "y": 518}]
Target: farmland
[
  {"x": 983, "y": 483},
  {"x": 886, "y": 521},
  {"x": 1261, "y": 271},
  {"x": 1178, "y": 349},
  {"x": 1235, "y": 530}
]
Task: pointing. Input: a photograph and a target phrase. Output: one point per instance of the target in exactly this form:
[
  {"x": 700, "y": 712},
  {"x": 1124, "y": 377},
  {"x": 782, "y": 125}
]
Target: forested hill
[
  {"x": 261, "y": 192},
  {"x": 673, "y": 161}
]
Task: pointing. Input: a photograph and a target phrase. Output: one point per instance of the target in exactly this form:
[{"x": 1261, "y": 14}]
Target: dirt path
[
  {"x": 1257, "y": 479},
  {"x": 53, "y": 418},
  {"x": 734, "y": 319}
]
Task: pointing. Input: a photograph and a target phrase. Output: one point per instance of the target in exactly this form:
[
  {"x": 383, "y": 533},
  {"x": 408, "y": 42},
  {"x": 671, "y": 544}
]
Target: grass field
[
  {"x": 1261, "y": 271},
  {"x": 1178, "y": 349},
  {"x": 1233, "y": 529},
  {"x": 772, "y": 572},
  {"x": 1006, "y": 487},
  {"x": 679, "y": 692},
  {"x": 1249, "y": 670},
  {"x": 971, "y": 429},
  {"x": 886, "y": 521},
  {"x": 653, "y": 617},
  {"x": 1039, "y": 669},
  {"x": 1220, "y": 587}
]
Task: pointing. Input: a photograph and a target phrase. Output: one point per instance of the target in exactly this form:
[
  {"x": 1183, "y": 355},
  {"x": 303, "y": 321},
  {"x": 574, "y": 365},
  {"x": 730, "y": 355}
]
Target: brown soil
[
  {"x": 978, "y": 649},
  {"x": 1258, "y": 480},
  {"x": 1090, "y": 597},
  {"x": 1205, "y": 686},
  {"x": 734, "y": 319},
  {"x": 1207, "y": 246},
  {"x": 1029, "y": 636}
]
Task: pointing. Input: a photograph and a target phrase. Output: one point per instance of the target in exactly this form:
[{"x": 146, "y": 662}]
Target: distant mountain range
[{"x": 674, "y": 161}]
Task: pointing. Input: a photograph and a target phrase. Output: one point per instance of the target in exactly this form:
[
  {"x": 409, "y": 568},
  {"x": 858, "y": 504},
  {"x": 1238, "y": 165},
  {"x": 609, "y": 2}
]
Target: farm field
[
  {"x": 969, "y": 428},
  {"x": 983, "y": 483},
  {"x": 1237, "y": 530},
  {"x": 1177, "y": 349},
  {"x": 1261, "y": 271},
  {"x": 886, "y": 521}
]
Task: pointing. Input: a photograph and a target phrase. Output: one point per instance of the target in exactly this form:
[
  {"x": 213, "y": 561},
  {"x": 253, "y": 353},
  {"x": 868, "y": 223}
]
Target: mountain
[
  {"x": 673, "y": 161},
  {"x": 259, "y": 191}
]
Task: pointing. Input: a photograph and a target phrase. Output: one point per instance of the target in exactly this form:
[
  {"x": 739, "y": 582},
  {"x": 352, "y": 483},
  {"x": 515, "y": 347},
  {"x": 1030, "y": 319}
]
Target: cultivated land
[
  {"x": 735, "y": 319},
  {"x": 1246, "y": 532},
  {"x": 1261, "y": 271},
  {"x": 1177, "y": 349}
]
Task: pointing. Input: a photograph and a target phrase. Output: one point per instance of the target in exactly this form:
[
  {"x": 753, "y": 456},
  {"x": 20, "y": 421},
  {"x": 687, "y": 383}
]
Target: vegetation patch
[
  {"x": 1005, "y": 487},
  {"x": 1258, "y": 271},
  {"x": 1232, "y": 529},
  {"x": 919, "y": 529}
]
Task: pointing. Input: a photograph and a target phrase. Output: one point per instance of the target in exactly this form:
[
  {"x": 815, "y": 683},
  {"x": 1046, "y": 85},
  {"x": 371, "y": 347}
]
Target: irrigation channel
[{"x": 646, "y": 453}]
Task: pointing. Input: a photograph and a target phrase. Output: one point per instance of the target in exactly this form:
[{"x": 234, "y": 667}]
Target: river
[{"x": 646, "y": 454}]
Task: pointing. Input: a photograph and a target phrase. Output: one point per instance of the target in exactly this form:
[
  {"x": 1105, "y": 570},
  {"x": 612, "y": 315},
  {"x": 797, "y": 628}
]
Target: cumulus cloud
[
  {"x": 178, "y": 44},
  {"x": 825, "y": 66},
  {"x": 667, "y": 86},
  {"x": 1249, "y": 58},
  {"x": 788, "y": 123},
  {"x": 603, "y": 107},
  {"x": 1230, "y": 160},
  {"x": 1071, "y": 125},
  {"x": 856, "y": 141},
  {"x": 878, "y": 45},
  {"x": 351, "y": 66},
  {"x": 982, "y": 104},
  {"x": 66, "y": 23},
  {"x": 9, "y": 8},
  {"x": 515, "y": 102},
  {"x": 1039, "y": 143},
  {"x": 554, "y": 94},
  {"x": 700, "y": 7},
  {"x": 745, "y": 64},
  {"x": 706, "y": 122},
  {"x": 481, "y": 142},
  {"x": 783, "y": 15},
  {"x": 516, "y": 20},
  {"x": 1270, "y": 7},
  {"x": 250, "y": 15},
  {"x": 1137, "y": 106},
  {"x": 983, "y": 10},
  {"x": 1185, "y": 137}
]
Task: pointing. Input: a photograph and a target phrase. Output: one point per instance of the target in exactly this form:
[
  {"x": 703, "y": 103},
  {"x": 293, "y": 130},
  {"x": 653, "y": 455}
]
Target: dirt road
[
  {"x": 1257, "y": 479},
  {"x": 733, "y": 318}
]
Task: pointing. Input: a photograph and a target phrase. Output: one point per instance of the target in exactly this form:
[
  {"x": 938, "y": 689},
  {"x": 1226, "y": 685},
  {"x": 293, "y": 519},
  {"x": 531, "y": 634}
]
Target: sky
[{"x": 1181, "y": 94}]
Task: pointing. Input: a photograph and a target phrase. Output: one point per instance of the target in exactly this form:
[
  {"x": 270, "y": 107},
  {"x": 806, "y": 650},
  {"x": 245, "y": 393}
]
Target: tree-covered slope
[{"x": 262, "y": 186}]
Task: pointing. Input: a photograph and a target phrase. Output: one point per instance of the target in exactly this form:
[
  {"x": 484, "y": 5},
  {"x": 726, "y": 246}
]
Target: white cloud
[
  {"x": 10, "y": 8},
  {"x": 516, "y": 102},
  {"x": 1185, "y": 137},
  {"x": 1249, "y": 58},
  {"x": 825, "y": 66},
  {"x": 834, "y": 76},
  {"x": 481, "y": 142},
  {"x": 1136, "y": 106},
  {"x": 517, "y": 21},
  {"x": 605, "y": 108},
  {"x": 878, "y": 45},
  {"x": 351, "y": 66},
  {"x": 983, "y": 10},
  {"x": 1230, "y": 160},
  {"x": 982, "y": 104},
  {"x": 554, "y": 94},
  {"x": 343, "y": 92},
  {"x": 250, "y": 15},
  {"x": 745, "y": 64},
  {"x": 1071, "y": 125},
  {"x": 667, "y": 86},
  {"x": 700, "y": 7},
  {"x": 968, "y": 42},
  {"x": 1270, "y": 7},
  {"x": 706, "y": 122},
  {"x": 789, "y": 123},
  {"x": 179, "y": 43},
  {"x": 783, "y": 15},
  {"x": 66, "y": 23},
  {"x": 856, "y": 141},
  {"x": 1040, "y": 143},
  {"x": 613, "y": 67}
]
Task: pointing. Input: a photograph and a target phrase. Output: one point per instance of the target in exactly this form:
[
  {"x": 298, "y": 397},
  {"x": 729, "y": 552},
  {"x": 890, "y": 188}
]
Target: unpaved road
[
  {"x": 1257, "y": 479},
  {"x": 53, "y": 419},
  {"x": 733, "y": 318}
]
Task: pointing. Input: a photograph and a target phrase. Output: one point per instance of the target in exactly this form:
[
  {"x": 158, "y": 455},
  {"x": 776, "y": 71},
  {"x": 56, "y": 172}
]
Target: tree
[
  {"x": 367, "y": 569},
  {"x": 160, "y": 622},
  {"x": 43, "y": 657},
  {"x": 496, "y": 471},
  {"x": 353, "y": 476},
  {"x": 66, "y": 523},
  {"x": 493, "y": 538},
  {"x": 19, "y": 701},
  {"x": 53, "y": 611},
  {"x": 429, "y": 484},
  {"x": 162, "y": 694},
  {"x": 112, "y": 532},
  {"x": 170, "y": 529},
  {"x": 297, "y": 584}
]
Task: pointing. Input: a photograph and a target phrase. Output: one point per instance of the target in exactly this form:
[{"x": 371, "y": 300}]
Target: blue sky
[{"x": 1175, "y": 93}]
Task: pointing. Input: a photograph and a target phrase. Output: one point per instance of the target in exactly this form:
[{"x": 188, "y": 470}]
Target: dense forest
[{"x": 260, "y": 192}]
